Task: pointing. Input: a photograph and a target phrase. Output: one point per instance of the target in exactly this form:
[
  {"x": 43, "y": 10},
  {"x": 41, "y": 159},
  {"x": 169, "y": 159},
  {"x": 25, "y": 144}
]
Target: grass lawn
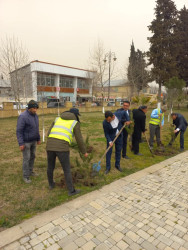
[{"x": 19, "y": 201}]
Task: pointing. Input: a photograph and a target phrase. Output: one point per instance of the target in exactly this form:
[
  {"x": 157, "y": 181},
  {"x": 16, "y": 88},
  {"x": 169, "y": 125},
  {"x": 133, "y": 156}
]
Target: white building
[{"x": 42, "y": 80}]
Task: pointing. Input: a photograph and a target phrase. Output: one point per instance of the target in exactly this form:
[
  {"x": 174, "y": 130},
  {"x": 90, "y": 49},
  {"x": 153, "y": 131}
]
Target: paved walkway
[{"x": 146, "y": 210}]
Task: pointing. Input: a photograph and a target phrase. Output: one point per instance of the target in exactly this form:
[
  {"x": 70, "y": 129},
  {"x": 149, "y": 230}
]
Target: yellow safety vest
[
  {"x": 157, "y": 121},
  {"x": 63, "y": 130}
]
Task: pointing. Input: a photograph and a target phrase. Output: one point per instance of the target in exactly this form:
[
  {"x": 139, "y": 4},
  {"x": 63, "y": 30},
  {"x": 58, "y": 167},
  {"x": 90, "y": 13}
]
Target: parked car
[
  {"x": 55, "y": 104},
  {"x": 95, "y": 104},
  {"x": 111, "y": 104}
]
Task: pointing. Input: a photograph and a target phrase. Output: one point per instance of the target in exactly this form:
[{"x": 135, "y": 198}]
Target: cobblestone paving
[{"x": 148, "y": 213}]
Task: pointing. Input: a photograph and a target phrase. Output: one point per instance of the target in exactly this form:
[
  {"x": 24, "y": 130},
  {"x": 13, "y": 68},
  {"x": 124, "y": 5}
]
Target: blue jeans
[
  {"x": 28, "y": 158},
  {"x": 118, "y": 148}
]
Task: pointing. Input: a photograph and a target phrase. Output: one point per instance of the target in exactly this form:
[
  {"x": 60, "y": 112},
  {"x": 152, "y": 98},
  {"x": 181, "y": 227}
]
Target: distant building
[
  {"x": 119, "y": 89},
  {"x": 42, "y": 81},
  {"x": 5, "y": 90}
]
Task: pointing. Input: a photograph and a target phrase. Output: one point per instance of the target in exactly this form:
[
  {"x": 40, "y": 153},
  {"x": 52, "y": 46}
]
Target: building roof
[
  {"x": 114, "y": 83},
  {"x": 63, "y": 66}
]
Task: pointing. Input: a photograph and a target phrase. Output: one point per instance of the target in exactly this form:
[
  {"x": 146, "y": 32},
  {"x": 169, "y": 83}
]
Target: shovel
[
  {"x": 148, "y": 145},
  {"x": 97, "y": 166}
]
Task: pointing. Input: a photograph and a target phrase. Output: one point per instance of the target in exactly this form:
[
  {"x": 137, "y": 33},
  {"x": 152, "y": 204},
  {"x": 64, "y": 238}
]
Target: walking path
[{"x": 146, "y": 210}]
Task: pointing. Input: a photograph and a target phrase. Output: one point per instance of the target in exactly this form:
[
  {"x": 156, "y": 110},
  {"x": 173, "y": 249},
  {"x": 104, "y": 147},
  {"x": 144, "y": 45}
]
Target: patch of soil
[
  {"x": 78, "y": 178},
  {"x": 164, "y": 152}
]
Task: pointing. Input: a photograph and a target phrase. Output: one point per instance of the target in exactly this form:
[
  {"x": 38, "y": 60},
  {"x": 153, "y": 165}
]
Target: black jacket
[
  {"x": 139, "y": 118},
  {"x": 180, "y": 122}
]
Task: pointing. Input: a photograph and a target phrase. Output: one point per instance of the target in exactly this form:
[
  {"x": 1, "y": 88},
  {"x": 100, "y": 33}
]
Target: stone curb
[{"x": 15, "y": 233}]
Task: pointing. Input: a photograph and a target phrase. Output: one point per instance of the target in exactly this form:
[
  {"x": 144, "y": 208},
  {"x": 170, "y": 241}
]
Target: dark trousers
[
  {"x": 135, "y": 142},
  {"x": 181, "y": 138},
  {"x": 65, "y": 163},
  {"x": 28, "y": 158},
  {"x": 124, "y": 146},
  {"x": 118, "y": 148},
  {"x": 154, "y": 131}
]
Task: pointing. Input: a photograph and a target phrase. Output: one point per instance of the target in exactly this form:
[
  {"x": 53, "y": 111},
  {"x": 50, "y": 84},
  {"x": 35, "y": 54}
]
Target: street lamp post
[{"x": 108, "y": 57}]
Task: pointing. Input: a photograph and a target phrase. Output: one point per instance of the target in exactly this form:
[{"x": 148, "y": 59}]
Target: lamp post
[{"x": 109, "y": 57}]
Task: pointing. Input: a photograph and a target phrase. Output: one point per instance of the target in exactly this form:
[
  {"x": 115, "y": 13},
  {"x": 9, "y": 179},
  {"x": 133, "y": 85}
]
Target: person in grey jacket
[
  {"x": 28, "y": 137},
  {"x": 181, "y": 125},
  {"x": 58, "y": 143}
]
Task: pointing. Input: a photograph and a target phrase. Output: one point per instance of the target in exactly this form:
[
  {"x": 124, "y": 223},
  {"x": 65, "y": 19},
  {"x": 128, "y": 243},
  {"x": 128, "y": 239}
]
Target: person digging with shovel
[
  {"x": 59, "y": 138},
  {"x": 112, "y": 125},
  {"x": 181, "y": 126}
]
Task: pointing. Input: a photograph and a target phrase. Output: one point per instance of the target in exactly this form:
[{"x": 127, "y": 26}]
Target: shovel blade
[{"x": 96, "y": 167}]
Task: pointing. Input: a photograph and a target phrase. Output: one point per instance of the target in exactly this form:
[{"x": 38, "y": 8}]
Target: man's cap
[
  {"x": 74, "y": 111},
  {"x": 164, "y": 107},
  {"x": 32, "y": 104}
]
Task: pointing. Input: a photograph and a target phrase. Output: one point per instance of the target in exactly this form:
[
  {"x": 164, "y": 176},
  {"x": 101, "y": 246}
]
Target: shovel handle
[
  {"x": 113, "y": 142},
  {"x": 148, "y": 144}
]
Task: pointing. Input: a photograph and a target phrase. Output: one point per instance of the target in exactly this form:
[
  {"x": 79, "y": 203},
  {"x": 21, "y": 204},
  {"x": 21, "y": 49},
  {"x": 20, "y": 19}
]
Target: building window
[
  {"x": 83, "y": 84},
  {"x": 66, "y": 82},
  {"x": 45, "y": 79}
]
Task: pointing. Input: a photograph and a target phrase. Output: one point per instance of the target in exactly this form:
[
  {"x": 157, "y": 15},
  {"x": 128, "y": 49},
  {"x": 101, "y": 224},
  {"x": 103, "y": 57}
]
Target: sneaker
[
  {"x": 76, "y": 191},
  {"x": 34, "y": 174},
  {"x": 181, "y": 149},
  {"x": 27, "y": 180},
  {"x": 52, "y": 186}
]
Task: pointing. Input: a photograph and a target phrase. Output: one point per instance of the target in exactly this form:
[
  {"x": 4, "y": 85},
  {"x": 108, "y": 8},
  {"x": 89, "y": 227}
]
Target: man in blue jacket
[
  {"x": 112, "y": 125},
  {"x": 28, "y": 136},
  {"x": 181, "y": 125}
]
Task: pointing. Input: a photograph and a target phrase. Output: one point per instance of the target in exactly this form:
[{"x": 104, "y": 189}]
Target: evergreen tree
[
  {"x": 137, "y": 73},
  {"x": 163, "y": 44},
  {"x": 182, "y": 33}
]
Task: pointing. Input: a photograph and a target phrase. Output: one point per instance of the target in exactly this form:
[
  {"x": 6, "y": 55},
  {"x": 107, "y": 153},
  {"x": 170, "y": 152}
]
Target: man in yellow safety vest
[
  {"x": 58, "y": 142},
  {"x": 155, "y": 124}
]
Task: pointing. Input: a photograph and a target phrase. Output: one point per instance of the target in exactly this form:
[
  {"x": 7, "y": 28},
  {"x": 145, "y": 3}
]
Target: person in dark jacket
[
  {"x": 112, "y": 125},
  {"x": 139, "y": 118},
  {"x": 58, "y": 142},
  {"x": 28, "y": 136},
  {"x": 126, "y": 106},
  {"x": 180, "y": 127}
]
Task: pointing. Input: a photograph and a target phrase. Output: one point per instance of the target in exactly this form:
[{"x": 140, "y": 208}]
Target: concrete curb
[{"x": 15, "y": 233}]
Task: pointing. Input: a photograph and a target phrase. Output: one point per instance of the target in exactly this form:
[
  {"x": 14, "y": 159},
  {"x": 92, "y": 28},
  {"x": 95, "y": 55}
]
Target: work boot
[
  {"x": 26, "y": 180},
  {"x": 74, "y": 192}
]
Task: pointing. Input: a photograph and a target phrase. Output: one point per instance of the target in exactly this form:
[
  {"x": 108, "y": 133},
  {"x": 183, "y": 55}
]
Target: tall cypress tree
[
  {"x": 131, "y": 72},
  {"x": 182, "y": 33},
  {"x": 137, "y": 73},
  {"x": 163, "y": 44}
]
